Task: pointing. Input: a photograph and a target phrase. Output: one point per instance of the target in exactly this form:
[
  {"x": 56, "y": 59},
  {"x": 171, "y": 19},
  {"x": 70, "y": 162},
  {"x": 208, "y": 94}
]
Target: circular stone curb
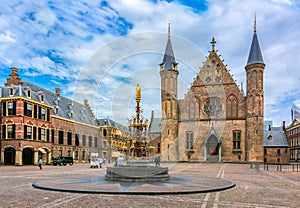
[{"x": 98, "y": 185}]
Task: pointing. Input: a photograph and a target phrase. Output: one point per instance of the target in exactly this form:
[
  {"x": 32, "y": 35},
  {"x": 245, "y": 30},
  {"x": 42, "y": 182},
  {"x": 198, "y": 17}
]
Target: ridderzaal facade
[{"x": 216, "y": 120}]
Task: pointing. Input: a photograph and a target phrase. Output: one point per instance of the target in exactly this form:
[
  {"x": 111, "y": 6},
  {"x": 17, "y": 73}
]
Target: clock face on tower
[{"x": 212, "y": 107}]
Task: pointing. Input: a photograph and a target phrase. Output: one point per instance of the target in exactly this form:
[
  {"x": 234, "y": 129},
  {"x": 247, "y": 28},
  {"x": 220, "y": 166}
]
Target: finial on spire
[
  {"x": 169, "y": 29},
  {"x": 138, "y": 93},
  {"x": 213, "y": 42},
  {"x": 255, "y": 23}
]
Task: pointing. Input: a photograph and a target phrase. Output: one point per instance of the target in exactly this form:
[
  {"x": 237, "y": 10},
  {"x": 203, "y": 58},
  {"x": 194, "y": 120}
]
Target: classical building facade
[
  {"x": 293, "y": 136},
  {"x": 37, "y": 123},
  {"x": 215, "y": 121}
]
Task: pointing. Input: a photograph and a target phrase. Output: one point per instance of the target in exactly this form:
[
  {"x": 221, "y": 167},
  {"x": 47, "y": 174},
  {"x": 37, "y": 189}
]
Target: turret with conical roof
[
  {"x": 168, "y": 62},
  {"x": 255, "y": 102},
  {"x": 169, "y": 76},
  {"x": 255, "y": 56}
]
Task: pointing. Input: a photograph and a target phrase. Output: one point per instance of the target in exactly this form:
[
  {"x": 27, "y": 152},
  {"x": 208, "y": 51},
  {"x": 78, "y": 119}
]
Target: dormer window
[
  {"x": 70, "y": 105},
  {"x": 41, "y": 95},
  {"x": 29, "y": 93},
  {"x": 11, "y": 91},
  {"x": 42, "y": 98},
  {"x": 70, "y": 113}
]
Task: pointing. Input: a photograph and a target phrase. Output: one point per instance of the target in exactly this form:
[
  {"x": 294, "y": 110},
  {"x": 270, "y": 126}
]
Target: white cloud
[
  {"x": 7, "y": 37},
  {"x": 75, "y": 31}
]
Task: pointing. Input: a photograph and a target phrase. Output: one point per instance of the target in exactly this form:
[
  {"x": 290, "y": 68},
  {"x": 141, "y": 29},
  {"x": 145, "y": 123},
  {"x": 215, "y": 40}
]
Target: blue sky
[{"x": 101, "y": 49}]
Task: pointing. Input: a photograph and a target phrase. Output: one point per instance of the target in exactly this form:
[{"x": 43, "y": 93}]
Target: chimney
[
  {"x": 86, "y": 102},
  {"x": 13, "y": 78},
  {"x": 283, "y": 125},
  {"x": 152, "y": 115},
  {"x": 57, "y": 91}
]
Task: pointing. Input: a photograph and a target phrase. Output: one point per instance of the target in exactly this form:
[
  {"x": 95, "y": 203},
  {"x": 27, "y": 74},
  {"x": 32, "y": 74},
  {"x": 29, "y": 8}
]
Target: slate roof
[
  {"x": 67, "y": 108},
  {"x": 112, "y": 123},
  {"x": 255, "y": 53},
  {"x": 169, "y": 57},
  {"x": 155, "y": 125},
  {"x": 278, "y": 138}
]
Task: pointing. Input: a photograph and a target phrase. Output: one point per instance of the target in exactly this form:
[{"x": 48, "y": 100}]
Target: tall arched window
[
  {"x": 254, "y": 79},
  {"x": 171, "y": 84},
  {"x": 166, "y": 84},
  {"x": 194, "y": 108},
  {"x": 231, "y": 107}
]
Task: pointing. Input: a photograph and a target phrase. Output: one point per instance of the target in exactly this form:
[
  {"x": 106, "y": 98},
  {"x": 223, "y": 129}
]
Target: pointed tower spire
[
  {"x": 169, "y": 59},
  {"x": 255, "y": 23},
  {"x": 169, "y": 29},
  {"x": 213, "y": 43},
  {"x": 255, "y": 56}
]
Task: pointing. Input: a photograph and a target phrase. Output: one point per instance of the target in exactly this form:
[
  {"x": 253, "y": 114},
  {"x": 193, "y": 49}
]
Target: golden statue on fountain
[{"x": 139, "y": 165}]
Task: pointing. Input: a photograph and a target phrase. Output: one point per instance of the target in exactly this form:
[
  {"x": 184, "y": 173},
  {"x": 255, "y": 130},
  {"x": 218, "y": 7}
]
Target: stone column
[
  {"x": 49, "y": 156},
  {"x": 220, "y": 152},
  {"x": 18, "y": 160},
  {"x": 2, "y": 157},
  {"x": 35, "y": 157}
]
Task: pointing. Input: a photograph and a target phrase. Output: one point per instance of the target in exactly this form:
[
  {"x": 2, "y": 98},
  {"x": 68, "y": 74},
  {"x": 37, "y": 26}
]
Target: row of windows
[
  {"x": 42, "y": 134},
  {"x": 294, "y": 142},
  {"x": 30, "y": 132},
  {"x": 30, "y": 110},
  {"x": 278, "y": 153},
  {"x": 90, "y": 141},
  {"x": 236, "y": 138},
  {"x": 69, "y": 153},
  {"x": 293, "y": 131},
  {"x": 295, "y": 154},
  {"x": 231, "y": 108}
]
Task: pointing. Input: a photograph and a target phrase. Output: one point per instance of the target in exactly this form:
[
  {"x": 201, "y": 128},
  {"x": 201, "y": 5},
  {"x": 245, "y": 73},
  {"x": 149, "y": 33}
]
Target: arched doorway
[
  {"x": 9, "y": 156},
  {"x": 28, "y": 156},
  {"x": 212, "y": 148}
]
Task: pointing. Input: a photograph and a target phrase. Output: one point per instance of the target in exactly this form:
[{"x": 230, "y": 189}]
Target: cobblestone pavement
[{"x": 254, "y": 188}]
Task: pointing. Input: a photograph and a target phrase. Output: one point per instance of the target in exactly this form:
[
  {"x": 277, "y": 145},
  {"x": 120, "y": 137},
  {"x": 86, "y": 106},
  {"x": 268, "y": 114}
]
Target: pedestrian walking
[
  {"x": 157, "y": 161},
  {"x": 40, "y": 163}
]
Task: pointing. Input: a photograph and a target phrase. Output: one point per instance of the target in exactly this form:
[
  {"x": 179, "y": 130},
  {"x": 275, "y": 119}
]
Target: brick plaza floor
[{"x": 254, "y": 188}]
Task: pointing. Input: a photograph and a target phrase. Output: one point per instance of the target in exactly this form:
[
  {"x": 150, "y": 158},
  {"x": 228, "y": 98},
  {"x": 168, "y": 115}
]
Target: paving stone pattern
[{"x": 254, "y": 188}]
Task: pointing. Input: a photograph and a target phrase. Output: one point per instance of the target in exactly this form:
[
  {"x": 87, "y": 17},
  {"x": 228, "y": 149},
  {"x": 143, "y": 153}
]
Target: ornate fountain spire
[{"x": 138, "y": 93}]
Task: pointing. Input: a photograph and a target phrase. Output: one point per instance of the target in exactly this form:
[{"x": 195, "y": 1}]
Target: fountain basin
[{"x": 137, "y": 173}]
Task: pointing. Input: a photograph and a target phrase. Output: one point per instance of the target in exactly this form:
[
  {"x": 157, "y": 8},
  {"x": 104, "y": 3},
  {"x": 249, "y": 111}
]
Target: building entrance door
[
  {"x": 212, "y": 148},
  {"x": 9, "y": 156},
  {"x": 27, "y": 156}
]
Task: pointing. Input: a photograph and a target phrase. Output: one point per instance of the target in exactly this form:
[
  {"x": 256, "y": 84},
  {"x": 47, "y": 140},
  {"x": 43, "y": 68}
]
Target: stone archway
[
  {"x": 45, "y": 154},
  {"x": 28, "y": 156},
  {"x": 9, "y": 156}
]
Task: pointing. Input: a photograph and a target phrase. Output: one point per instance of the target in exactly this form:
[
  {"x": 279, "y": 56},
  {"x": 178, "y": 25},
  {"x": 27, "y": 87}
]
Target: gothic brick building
[{"x": 215, "y": 121}]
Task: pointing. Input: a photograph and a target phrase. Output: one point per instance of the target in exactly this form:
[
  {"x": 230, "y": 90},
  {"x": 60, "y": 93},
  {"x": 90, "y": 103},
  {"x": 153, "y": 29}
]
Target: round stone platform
[{"x": 98, "y": 185}]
